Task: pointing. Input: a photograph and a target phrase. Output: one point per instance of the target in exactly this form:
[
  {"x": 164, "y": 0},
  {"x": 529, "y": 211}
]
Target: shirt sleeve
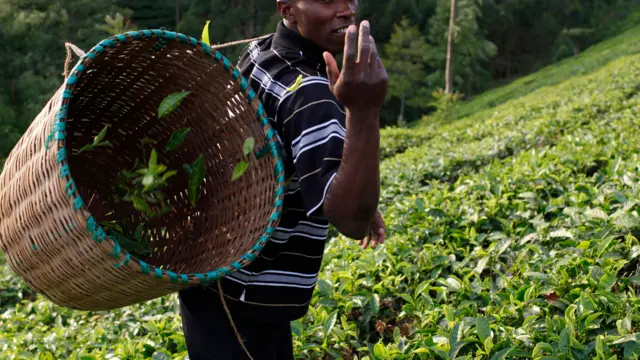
[{"x": 313, "y": 123}]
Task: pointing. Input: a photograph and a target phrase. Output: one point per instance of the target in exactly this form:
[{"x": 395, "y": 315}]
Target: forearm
[{"x": 352, "y": 199}]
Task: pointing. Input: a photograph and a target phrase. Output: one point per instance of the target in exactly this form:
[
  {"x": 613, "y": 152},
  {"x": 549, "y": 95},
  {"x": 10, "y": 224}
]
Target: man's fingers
[
  {"x": 364, "y": 44},
  {"x": 381, "y": 236},
  {"x": 373, "y": 55},
  {"x": 350, "y": 49},
  {"x": 332, "y": 68},
  {"x": 366, "y": 242}
]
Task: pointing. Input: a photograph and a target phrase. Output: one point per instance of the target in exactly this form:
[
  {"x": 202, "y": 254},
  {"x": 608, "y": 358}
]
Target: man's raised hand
[{"x": 362, "y": 84}]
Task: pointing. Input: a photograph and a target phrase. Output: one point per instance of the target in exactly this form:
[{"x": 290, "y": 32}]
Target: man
[{"x": 328, "y": 127}]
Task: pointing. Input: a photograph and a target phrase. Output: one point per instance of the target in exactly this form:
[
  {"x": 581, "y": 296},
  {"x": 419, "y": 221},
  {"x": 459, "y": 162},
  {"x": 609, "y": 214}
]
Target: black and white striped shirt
[{"x": 310, "y": 124}]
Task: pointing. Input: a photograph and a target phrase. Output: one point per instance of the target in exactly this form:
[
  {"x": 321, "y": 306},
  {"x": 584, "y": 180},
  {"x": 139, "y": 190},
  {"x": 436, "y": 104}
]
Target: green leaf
[
  {"x": 139, "y": 204},
  {"x": 171, "y": 102},
  {"x": 586, "y": 302},
  {"x": 168, "y": 174},
  {"x": 488, "y": 345},
  {"x": 483, "y": 328},
  {"x": 380, "y": 351},
  {"x": 153, "y": 159},
  {"x": 100, "y": 135},
  {"x": 137, "y": 234},
  {"x": 177, "y": 137},
  {"x": 408, "y": 298},
  {"x": 629, "y": 349},
  {"x": 565, "y": 339},
  {"x": 160, "y": 355},
  {"x": 205, "y": 33},
  {"x": 455, "y": 348},
  {"x": 540, "y": 349},
  {"x": 599, "y": 346},
  {"x": 196, "y": 177},
  {"x": 248, "y": 146},
  {"x": 624, "y": 326},
  {"x": 453, "y": 284},
  {"x": 456, "y": 334},
  {"x": 297, "y": 327},
  {"x": 240, "y": 169},
  {"x": 330, "y": 323},
  {"x": 607, "y": 281},
  {"x": 375, "y": 304},
  {"x": 502, "y": 354}
]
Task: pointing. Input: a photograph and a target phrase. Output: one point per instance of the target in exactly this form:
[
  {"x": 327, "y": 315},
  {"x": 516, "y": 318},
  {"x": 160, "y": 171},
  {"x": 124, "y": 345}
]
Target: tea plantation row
[{"x": 512, "y": 234}]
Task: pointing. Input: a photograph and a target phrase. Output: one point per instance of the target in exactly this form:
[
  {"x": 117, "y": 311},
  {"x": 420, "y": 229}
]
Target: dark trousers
[{"x": 209, "y": 334}]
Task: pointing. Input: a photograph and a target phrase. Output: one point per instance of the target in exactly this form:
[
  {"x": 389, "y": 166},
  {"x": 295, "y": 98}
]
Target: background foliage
[{"x": 496, "y": 41}]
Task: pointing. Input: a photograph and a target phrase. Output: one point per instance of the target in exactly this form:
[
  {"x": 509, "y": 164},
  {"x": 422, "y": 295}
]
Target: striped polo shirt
[{"x": 310, "y": 126}]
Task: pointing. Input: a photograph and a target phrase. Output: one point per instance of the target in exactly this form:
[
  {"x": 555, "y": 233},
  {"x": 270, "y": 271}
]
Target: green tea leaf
[
  {"x": 565, "y": 339},
  {"x": 100, "y": 135},
  {"x": 168, "y": 174},
  {"x": 629, "y": 348},
  {"x": 502, "y": 354},
  {"x": 330, "y": 323},
  {"x": 379, "y": 351},
  {"x": 153, "y": 159},
  {"x": 455, "y": 348},
  {"x": 196, "y": 177},
  {"x": 171, "y": 102},
  {"x": 541, "y": 348},
  {"x": 456, "y": 334},
  {"x": 240, "y": 169},
  {"x": 248, "y": 146},
  {"x": 407, "y": 298},
  {"x": 483, "y": 328},
  {"x": 375, "y": 303},
  {"x": 177, "y": 137},
  {"x": 205, "y": 33}
]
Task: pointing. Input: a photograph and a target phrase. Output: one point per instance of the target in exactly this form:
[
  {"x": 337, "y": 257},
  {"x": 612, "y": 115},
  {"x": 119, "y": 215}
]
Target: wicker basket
[{"x": 53, "y": 199}]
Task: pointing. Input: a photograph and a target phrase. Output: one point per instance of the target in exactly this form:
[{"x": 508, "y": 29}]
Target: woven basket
[{"x": 53, "y": 199}]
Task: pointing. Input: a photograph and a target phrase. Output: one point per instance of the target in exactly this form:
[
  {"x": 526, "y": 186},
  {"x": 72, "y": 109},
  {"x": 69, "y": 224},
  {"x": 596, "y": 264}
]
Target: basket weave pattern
[{"x": 52, "y": 199}]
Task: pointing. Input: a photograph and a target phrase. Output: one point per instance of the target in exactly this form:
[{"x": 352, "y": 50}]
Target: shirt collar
[{"x": 292, "y": 40}]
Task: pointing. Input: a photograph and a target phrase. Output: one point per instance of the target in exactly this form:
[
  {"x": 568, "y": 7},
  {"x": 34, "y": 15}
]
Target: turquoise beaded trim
[{"x": 97, "y": 232}]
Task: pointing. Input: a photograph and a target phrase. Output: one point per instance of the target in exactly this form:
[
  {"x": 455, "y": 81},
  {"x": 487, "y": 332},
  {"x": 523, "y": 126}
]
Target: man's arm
[{"x": 352, "y": 198}]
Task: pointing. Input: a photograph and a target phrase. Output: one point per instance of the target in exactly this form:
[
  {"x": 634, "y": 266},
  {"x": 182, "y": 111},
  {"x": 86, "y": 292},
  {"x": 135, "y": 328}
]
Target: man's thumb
[{"x": 332, "y": 68}]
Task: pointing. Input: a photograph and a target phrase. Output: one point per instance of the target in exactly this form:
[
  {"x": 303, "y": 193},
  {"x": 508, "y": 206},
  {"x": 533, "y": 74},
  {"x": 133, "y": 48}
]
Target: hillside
[
  {"x": 513, "y": 235},
  {"x": 596, "y": 56}
]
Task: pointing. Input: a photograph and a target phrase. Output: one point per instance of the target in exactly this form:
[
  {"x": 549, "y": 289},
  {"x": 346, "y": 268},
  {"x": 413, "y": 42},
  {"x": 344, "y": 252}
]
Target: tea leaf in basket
[
  {"x": 241, "y": 167},
  {"x": 171, "y": 102},
  {"x": 97, "y": 141},
  {"x": 101, "y": 135},
  {"x": 205, "y": 33},
  {"x": 176, "y": 138},
  {"x": 196, "y": 177},
  {"x": 153, "y": 159},
  {"x": 140, "y": 204},
  {"x": 136, "y": 248},
  {"x": 248, "y": 146}
]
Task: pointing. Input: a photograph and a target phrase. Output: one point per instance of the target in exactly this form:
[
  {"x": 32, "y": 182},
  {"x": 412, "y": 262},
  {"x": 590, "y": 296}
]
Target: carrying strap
[{"x": 79, "y": 53}]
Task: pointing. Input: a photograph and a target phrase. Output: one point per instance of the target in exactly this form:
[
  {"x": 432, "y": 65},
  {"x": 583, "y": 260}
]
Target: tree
[
  {"x": 404, "y": 61},
  {"x": 452, "y": 23},
  {"x": 471, "y": 50}
]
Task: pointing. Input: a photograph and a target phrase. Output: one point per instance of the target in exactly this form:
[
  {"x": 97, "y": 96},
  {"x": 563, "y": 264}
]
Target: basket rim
[{"x": 97, "y": 233}]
